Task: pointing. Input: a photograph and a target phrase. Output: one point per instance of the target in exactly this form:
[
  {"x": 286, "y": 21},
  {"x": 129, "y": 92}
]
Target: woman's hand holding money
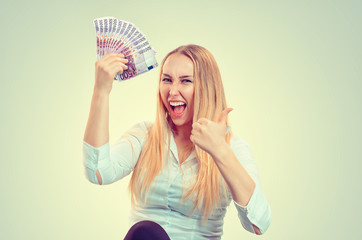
[{"x": 105, "y": 70}]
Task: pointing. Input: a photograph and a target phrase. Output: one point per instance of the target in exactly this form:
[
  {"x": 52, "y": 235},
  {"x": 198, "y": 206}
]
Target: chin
[{"x": 181, "y": 122}]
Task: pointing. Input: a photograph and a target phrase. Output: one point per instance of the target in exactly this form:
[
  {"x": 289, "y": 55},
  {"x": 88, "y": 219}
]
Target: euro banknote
[{"x": 119, "y": 36}]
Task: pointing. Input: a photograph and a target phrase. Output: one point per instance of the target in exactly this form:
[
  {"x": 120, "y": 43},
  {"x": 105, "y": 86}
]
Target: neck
[
  {"x": 183, "y": 132},
  {"x": 183, "y": 142}
]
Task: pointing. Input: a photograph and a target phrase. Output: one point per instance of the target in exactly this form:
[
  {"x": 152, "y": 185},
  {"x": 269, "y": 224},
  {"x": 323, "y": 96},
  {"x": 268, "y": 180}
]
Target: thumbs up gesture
[{"x": 209, "y": 135}]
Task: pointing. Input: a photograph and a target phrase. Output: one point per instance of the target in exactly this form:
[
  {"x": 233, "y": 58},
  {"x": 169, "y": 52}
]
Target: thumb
[{"x": 224, "y": 114}]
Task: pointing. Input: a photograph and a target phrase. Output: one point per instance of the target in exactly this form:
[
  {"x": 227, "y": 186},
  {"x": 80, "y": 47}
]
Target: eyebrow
[{"x": 183, "y": 76}]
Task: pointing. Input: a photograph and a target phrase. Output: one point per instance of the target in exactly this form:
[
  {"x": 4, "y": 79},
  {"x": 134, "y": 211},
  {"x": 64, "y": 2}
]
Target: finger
[
  {"x": 112, "y": 58},
  {"x": 124, "y": 66},
  {"x": 198, "y": 126},
  {"x": 193, "y": 131},
  {"x": 195, "y": 125},
  {"x": 124, "y": 60},
  {"x": 195, "y": 128},
  {"x": 224, "y": 114},
  {"x": 203, "y": 121},
  {"x": 117, "y": 66},
  {"x": 115, "y": 59},
  {"x": 112, "y": 55}
]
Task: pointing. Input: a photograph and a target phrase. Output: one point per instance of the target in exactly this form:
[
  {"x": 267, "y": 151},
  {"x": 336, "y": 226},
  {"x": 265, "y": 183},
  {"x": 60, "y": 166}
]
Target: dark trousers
[{"x": 146, "y": 230}]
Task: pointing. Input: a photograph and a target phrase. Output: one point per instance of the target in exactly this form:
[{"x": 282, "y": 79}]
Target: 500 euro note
[{"x": 119, "y": 36}]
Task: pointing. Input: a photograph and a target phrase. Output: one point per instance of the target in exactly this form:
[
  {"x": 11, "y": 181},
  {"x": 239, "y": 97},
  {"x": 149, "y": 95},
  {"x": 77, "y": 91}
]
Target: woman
[{"x": 187, "y": 166}]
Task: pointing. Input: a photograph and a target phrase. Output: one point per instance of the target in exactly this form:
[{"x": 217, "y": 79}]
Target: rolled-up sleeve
[
  {"x": 119, "y": 160},
  {"x": 92, "y": 156},
  {"x": 257, "y": 212}
]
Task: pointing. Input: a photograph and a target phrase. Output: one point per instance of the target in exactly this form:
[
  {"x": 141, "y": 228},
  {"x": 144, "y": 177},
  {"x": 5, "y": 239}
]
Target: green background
[{"x": 291, "y": 71}]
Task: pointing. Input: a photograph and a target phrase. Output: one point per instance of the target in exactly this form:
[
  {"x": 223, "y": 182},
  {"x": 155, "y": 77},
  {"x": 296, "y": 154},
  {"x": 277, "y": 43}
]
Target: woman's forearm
[
  {"x": 97, "y": 129},
  {"x": 240, "y": 184}
]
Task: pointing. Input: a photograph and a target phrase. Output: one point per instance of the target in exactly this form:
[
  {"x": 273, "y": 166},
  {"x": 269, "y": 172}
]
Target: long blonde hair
[{"x": 209, "y": 102}]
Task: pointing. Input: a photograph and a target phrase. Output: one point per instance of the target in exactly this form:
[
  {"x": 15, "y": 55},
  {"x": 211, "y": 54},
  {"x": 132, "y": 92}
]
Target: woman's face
[{"x": 177, "y": 89}]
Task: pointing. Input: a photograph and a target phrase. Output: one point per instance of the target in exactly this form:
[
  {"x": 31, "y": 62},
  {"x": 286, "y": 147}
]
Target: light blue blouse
[{"x": 164, "y": 204}]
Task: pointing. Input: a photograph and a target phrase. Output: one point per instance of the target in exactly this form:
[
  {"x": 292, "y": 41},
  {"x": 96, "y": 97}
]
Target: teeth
[{"x": 176, "y": 103}]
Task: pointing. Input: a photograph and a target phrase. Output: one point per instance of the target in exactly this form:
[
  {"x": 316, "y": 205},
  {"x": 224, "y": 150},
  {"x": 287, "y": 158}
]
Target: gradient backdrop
[{"x": 291, "y": 71}]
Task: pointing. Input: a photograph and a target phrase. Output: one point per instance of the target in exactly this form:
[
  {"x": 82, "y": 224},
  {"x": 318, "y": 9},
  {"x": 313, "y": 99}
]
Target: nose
[{"x": 174, "y": 89}]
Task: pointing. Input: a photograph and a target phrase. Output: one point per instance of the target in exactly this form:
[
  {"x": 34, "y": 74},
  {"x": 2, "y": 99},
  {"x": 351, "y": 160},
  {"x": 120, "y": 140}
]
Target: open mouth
[{"x": 178, "y": 108}]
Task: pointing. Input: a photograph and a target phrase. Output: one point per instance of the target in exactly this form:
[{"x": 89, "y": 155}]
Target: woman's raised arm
[{"x": 97, "y": 129}]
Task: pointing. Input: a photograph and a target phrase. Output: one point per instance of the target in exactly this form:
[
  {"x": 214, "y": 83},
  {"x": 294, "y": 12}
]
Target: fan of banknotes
[{"x": 119, "y": 36}]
